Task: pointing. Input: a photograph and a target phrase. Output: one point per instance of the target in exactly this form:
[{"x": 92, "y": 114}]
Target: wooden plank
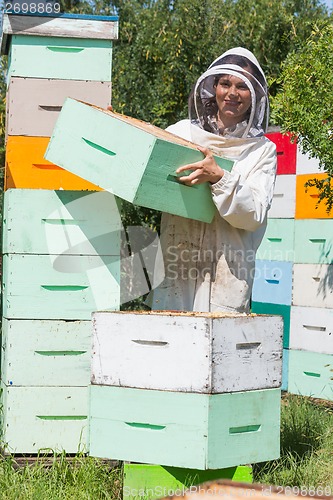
[
  {"x": 43, "y": 353},
  {"x": 310, "y": 374},
  {"x": 154, "y": 481},
  {"x": 314, "y": 241},
  {"x": 61, "y": 222},
  {"x": 58, "y": 26},
  {"x": 278, "y": 241},
  {"x": 307, "y": 199},
  {"x": 224, "y": 354},
  {"x": 27, "y": 168},
  {"x": 37, "y": 115},
  {"x": 44, "y": 418},
  {"x": 273, "y": 282},
  {"x": 284, "y": 197},
  {"x": 313, "y": 285},
  {"x": 312, "y": 329},
  {"x": 184, "y": 429},
  {"x": 59, "y": 287},
  {"x": 143, "y": 173},
  {"x": 63, "y": 58}
]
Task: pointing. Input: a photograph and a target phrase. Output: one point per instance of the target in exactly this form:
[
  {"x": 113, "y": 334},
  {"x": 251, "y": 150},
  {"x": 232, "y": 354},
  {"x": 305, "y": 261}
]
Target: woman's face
[{"x": 233, "y": 100}]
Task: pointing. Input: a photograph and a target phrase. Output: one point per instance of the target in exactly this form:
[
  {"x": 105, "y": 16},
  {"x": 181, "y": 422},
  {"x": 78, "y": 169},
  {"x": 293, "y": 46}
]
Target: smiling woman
[{"x": 228, "y": 114}]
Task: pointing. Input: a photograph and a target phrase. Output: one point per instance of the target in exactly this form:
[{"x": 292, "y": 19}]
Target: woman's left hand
[{"x": 206, "y": 170}]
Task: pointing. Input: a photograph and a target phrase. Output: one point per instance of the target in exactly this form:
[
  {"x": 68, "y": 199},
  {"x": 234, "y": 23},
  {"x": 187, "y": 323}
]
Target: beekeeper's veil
[{"x": 243, "y": 64}]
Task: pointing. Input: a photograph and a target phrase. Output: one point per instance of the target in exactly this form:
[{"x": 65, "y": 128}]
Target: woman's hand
[{"x": 206, "y": 170}]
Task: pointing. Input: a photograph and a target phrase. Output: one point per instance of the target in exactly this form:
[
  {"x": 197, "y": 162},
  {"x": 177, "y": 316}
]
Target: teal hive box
[
  {"x": 59, "y": 287},
  {"x": 47, "y": 418},
  {"x": 43, "y": 221},
  {"x": 278, "y": 241},
  {"x": 132, "y": 159},
  {"x": 61, "y": 58},
  {"x": 310, "y": 374},
  {"x": 314, "y": 241},
  {"x": 53, "y": 353},
  {"x": 180, "y": 429}
]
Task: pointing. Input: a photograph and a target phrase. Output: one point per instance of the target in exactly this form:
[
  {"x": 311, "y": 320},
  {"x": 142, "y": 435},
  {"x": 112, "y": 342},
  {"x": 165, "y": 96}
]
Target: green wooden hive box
[{"x": 132, "y": 159}]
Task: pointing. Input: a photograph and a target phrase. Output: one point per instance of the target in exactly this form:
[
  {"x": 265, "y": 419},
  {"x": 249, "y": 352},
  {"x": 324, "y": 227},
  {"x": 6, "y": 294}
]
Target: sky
[{"x": 329, "y": 3}]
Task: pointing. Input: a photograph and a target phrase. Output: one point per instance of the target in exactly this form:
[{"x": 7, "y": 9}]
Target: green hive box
[{"x": 132, "y": 159}]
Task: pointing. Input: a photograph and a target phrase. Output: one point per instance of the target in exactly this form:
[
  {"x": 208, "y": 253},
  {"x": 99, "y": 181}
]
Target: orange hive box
[{"x": 306, "y": 200}]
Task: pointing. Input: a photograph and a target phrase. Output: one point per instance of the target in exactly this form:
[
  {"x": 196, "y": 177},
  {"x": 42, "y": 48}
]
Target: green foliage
[
  {"x": 306, "y": 446},
  {"x": 303, "y": 105}
]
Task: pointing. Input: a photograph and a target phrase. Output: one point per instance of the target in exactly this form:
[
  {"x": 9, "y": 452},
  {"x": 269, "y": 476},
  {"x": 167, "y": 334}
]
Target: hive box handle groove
[
  {"x": 44, "y": 107},
  {"x": 64, "y": 49},
  {"x": 317, "y": 240},
  {"x": 244, "y": 429},
  {"x": 67, "y": 222},
  {"x": 248, "y": 345},
  {"x": 62, "y": 288},
  {"x": 312, "y": 374},
  {"x": 46, "y": 167},
  {"x": 275, "y": 240},
  {"x": 157, "y": 343},
  {"x": 62, "y": 417},
  {"x": 60, "y": 353},
  {"x": 315, "y": 328},
  {"x": 98, "y": 147},
  {"x": 139, "y": 425},
  {"x": 273, "y": 282}
]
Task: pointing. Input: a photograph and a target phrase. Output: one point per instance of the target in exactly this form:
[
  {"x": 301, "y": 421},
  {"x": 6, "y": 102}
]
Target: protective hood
[{"x": 243, "y": 64}]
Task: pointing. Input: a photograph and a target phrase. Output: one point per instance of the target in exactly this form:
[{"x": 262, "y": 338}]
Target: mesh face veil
[{"x": 241, "y": 63}]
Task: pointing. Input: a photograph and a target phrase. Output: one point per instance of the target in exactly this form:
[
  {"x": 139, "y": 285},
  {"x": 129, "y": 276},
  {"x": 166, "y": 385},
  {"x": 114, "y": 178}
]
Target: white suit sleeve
[{"x": 243, "y": 199}]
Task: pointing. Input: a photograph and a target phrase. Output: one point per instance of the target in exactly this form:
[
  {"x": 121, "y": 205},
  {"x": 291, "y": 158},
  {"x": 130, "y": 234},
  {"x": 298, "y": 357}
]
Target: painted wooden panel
[
  {"x": 306, "y": 201},
  {"x": 48, "y": 418},
  {"x": 65, "y": 26},
  {"x": 305, "y": 164},
  {"x": 27, "y": 168},
  {"x": 59, "y": 287},
  {"x": 53, "y": 353},
  {"x": 130, "y": 158},
  {"x": 272, "y": 282},
  {"x": 184, "y": 429},
  {"x": 285, "y": 370},
  {"x": 61, "y": 222},
  {"x": 37, "y": 115},
  {"x": 312, "y": 329},
  {"x": 313, "y": 285},
  {"x": 155, "y": 481},
  {"x": 286, "y": 152},
  {"x": 57, "y": 57},
  {"x": 278, "y": 241},
  {"x": 311, "y": 374},
  {"x": 314, "y": 241},
  {"x": 224, "y": 353},
  {"x": 284, "y": 198},
  {"x": 275, "y": 309}
]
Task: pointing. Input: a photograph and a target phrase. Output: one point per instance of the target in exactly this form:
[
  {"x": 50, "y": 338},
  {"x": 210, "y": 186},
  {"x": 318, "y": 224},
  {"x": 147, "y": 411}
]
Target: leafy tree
[{"x": 303, "y": 106}]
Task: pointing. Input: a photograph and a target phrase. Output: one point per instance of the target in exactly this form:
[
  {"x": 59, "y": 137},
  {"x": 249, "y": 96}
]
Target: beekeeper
[{"x": 210, "y": 267}]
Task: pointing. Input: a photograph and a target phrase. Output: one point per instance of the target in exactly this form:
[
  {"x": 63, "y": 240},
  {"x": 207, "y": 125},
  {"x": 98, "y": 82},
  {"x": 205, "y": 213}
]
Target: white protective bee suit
[{"x": 210, "y": 267}]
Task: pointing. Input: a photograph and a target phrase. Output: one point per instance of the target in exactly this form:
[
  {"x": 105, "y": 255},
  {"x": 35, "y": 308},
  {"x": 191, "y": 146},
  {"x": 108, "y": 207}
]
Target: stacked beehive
[
  {"x": 191, "y": 390},
  {"x": 294, "y": 274},
  {"x": 60, "y": 234}
]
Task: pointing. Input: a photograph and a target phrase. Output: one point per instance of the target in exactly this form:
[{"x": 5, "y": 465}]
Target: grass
[
  {"x": 306, "y": 446},
  {"x": 306, "y": 462}
]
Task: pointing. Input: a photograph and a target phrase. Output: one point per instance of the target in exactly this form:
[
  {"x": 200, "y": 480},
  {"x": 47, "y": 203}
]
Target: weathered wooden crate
[
  {"x": 314, "y": 241},
  {"x": 155, "y": 481},
  {"x": 273, "y": 282},
  {"x": 59, "y": 287},
  {"x": 278, "y": 241},
  {"x": 310, "y": 374},
  {"x": 59, "y": 57},
  {"x": 275, "y": 309},
  {"x": 312, "y": 329},
  {"x": 27, "y": 168},
  {"x": 180, "y": 429},
  {"x": 284, "y": 197},
  {"x": 132, "y": 159},
  {"x": 40, "y": 353},
  {"x": 189, "y": 352},
  {"x": 65, "y": 25},
  {"x": 307, "y": 199},
  {"x": 44, "y": 418},
  {"x": 312, "y": 285},
  {"x": 37, "y": 115},
  {"x": 61, "y": 222}
]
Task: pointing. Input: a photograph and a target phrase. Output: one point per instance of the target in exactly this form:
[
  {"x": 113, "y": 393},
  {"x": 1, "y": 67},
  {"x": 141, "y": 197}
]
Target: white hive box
[{"x": 188, "y": 352}]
